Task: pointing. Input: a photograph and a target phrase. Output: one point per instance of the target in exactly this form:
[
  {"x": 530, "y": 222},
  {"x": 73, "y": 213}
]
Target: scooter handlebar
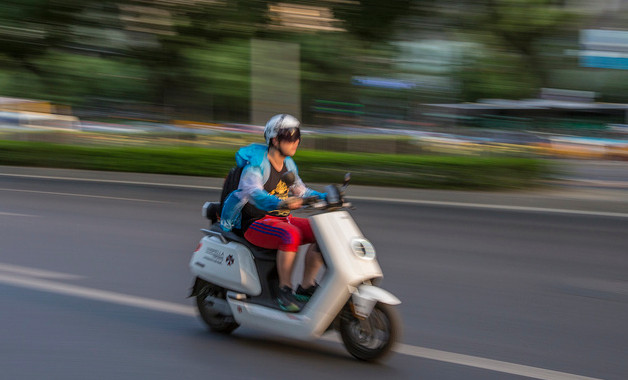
[
  {"x": 308, "y": 202},
  {"x": 320, "y": 204}
]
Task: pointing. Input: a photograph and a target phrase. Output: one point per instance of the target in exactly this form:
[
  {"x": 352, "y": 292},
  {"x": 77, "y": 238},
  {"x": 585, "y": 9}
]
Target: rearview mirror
[{"x": 347, "y": 179}]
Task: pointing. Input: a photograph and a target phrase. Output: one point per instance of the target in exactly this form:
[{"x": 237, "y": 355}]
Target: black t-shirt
[{"x": 274, "y": 186}]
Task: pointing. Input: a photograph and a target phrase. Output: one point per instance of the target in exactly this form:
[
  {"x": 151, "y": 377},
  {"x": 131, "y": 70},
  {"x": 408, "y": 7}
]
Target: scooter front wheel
[
  {"x": 372, "y": 338},
  {"x": 216, "y": 321}
]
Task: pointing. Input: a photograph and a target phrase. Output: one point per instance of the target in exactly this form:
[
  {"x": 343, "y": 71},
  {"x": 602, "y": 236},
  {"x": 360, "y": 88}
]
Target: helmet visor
[{"x": 289, "y": 134}]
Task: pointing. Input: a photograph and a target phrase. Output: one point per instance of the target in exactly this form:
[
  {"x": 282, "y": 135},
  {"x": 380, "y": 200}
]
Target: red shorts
[{"x": 283, "y": 233}]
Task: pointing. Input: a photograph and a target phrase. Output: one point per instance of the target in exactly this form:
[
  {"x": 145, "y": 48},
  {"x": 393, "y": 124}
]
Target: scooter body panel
[
  {"x": 348, "y": 265},
  {"x": 350, "y": 261},
  {"x": 350, "y": 255},
  {"x": 229, "y": 265},
  {"x": 310, "y": 323}
]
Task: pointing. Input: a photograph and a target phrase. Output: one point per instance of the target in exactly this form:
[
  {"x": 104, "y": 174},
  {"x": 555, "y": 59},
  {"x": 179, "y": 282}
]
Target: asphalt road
[
  {"x": 594, "y": 173},
  {"x": 94, "y": 279}
]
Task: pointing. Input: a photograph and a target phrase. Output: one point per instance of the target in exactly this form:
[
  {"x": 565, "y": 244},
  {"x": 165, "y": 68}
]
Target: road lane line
[
  {"x": 188, "y": 310},
  {"x": 112, "y": 181},
  {"x": 477, "y": 362},
  {"x": 495, "y": 207},
  {"x": 376, "y": 199},
  {"x": 16, "y": 269},
  {"x": 96, "y": 294},
  {"x": 489, "y": 364},
  {"x": 81, "y": 195},
  {"x": 14, "y": 214}
]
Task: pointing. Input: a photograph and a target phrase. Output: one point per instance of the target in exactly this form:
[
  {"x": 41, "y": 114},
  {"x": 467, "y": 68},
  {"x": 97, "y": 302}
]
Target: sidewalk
[{"x": 561, "y": 194}]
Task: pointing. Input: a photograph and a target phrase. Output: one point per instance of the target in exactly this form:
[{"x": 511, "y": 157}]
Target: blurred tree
[
  {"x": 518, "y": 27},
  {"x": 88, "y": 81},
  {"x": 200, "y": 67},
  {"x": 328, "y": 62},
  {"x": 371, "y": 20},
  {"x": 218, "y": 80},
  {"x": 495, "y": 74},
  {"x": 216, "y": 21},
  {"x": 29, "y": 28},
  {"x": 192, "y": 58}
]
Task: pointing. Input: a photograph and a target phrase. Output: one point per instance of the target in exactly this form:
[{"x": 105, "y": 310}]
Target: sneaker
[
  {"x": 287, "y": 301},
  {"x": 304, "y": 295}
]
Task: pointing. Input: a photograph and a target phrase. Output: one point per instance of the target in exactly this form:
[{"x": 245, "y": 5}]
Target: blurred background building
[{"x": 394, "y": 64}]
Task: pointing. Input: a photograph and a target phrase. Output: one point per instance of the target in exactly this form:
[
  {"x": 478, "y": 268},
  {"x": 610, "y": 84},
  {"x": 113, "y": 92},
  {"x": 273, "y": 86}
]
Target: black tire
[
  {"x": 384, "y": 324},
  {"x": 216, "y": 321}
]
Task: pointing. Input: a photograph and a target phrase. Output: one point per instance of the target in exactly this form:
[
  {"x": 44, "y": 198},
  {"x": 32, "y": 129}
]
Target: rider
[{"x": 261, "y": 205}]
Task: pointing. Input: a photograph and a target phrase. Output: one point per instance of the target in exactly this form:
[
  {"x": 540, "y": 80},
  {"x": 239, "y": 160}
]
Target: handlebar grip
[{"x": 310, "y": 200}]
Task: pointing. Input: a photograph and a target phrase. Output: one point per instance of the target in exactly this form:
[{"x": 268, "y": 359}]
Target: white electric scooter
[{"x": 236, "y": 284}]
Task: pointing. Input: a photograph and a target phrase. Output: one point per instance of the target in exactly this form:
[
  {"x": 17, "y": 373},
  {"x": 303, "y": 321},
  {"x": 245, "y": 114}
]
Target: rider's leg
[
  {"x": 313, "y": 258},
  {"x": 277, "y": 233},
  {"x": 313, "y": 263},
  {"x": 285, "y": 265}
]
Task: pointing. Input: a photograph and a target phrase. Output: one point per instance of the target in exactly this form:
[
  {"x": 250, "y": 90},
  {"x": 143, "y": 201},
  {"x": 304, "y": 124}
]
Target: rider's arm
[
  {"x": 251, "y": 190},
  {"x": 300, "y": 190}
]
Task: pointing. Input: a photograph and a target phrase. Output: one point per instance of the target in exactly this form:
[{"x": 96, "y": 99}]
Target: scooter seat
[{"x": 258, "y": 252}]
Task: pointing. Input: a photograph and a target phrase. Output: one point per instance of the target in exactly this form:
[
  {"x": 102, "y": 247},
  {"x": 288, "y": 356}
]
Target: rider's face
[{"x": 289, "y": 148}]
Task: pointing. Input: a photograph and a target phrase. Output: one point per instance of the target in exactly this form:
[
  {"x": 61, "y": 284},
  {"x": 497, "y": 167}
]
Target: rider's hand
[{"x": 293, "y": 202}]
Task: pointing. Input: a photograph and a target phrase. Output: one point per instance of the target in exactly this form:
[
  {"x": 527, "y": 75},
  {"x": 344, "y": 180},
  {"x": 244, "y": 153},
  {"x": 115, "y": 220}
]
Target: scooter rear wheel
[
  {"x": 216, "y": 321},
  {"x": 371, "y": 339}
]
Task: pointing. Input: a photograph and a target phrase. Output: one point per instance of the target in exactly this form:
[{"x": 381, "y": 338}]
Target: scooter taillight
[{"x": 197, "y": 248}]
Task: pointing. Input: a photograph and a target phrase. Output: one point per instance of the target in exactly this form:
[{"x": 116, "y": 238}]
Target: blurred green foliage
[
  {"x": 395, "y": 170},
  {"x": 516, "y": 36},
  {"x": 191, "y": 59}
]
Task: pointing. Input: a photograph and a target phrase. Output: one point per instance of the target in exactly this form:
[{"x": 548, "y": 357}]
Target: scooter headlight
[{"x": 363, "y": 249}]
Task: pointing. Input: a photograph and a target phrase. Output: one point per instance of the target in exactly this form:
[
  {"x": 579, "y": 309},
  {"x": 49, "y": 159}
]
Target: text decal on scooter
[{"x": 214, "y": 255}]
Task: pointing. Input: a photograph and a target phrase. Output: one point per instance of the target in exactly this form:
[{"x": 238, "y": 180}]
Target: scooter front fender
[{"x": 366, "y": 296}]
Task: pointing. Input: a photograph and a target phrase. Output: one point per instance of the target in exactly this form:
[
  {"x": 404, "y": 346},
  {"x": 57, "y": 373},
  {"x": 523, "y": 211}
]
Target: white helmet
[{"x": 282, "y": 126}]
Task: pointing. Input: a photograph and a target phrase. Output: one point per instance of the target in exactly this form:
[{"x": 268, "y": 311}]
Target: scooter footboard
[{"x": 366, "y": 296}]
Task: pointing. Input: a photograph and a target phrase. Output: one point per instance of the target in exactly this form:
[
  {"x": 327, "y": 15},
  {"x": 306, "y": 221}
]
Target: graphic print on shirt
[{"x": 280, "y": 191}]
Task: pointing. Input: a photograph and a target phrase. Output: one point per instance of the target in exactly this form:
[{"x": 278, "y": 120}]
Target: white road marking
[
  {"x": 96, "y": 294},
  {"x": 476, "y": 362},
  {"x": 377, "y": 199},
  {"x": 111, "y": 181},
  {"x": 489, "y": 364},
  {"x": 81, "y": 195},
  {"x": 14, "y": 214},
  {"x": 496, "y": 207},
  {"x": 26, "y": 271},
  {"x": 188, "y": 310}
]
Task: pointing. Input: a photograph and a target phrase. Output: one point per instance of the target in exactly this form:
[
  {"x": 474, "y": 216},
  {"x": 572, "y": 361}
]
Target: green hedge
[{"x": 398, "y": 170}]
